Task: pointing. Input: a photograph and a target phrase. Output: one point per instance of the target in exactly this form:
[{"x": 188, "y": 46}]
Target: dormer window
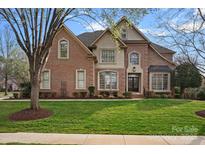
[
  {"x": 134, "y": 59},
  {"x": 63, "y": 49},
  {"x": 124, "y": 33}
]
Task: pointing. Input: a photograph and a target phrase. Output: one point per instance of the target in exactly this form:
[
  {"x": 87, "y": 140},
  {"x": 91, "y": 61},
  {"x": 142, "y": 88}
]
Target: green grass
[{"x": 148, "y": 116}]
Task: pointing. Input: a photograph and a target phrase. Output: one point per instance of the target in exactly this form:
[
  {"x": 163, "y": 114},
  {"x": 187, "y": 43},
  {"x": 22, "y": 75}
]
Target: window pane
[
  {"x": 80, "y": 79},
  {"x": 102, "y": 81},
  {"x": 114, "y": 80},
  {"x": 45, "y": 79},
  {"x": 81, "y": 75},
  {"x": 63, "y": 48},
  {"x": 108, "y": 80},
  {"x": 80, "y": 84},
  {"x": 160, "y": 81},
  {"x": 165, "y": 82},
  {"x": 108, "y": 56},
  {"x": 134, "y": 59}
]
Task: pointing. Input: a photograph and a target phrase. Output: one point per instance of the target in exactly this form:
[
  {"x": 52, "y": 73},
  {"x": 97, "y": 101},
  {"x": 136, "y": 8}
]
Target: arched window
[
  {"x": 134, "y": 58},
  {"x": 63, "y": 49}
]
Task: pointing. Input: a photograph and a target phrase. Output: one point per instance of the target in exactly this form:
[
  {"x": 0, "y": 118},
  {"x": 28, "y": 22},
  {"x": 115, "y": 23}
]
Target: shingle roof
[
  {"x": 159, "y": 68},
  {"x": 88, "y": 37},
  {"x": 162, "y": 49}
]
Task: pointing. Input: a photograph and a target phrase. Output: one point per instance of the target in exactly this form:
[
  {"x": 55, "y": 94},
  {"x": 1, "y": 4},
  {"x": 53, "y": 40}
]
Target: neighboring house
[{"x": 131, "y": 63}]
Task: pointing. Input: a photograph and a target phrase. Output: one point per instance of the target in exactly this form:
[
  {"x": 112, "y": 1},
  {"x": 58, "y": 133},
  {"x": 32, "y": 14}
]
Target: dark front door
[{"x": 133, "y": 82}]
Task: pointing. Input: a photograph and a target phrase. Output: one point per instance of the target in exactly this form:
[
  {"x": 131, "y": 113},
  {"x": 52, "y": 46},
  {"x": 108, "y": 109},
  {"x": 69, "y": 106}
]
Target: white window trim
[
  {"x": 139, "y": 58},
  {"x": 101, "y": 49},
  {"x": 41, "y": 83},
  {"x": 76, "y": 79},
  {"x": 108, "y": 89},
  {"x": 59, "y": 57},
  {"x": 150, "y": 81}
]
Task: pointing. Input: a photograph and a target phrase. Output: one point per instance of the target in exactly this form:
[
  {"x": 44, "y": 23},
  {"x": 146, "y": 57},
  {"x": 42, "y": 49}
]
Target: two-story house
[{"x": 131, "y": 63}]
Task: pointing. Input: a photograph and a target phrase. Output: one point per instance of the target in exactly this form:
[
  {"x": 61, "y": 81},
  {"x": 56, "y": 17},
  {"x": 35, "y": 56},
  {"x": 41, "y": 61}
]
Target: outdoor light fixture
[{"x": 134, "y": 69}]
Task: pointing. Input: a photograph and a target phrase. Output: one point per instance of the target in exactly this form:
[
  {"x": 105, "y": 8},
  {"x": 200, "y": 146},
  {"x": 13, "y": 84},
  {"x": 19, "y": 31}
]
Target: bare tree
[
  {"x": 35, "y": 29},
  {"x": 184, "y": 31},
  {"x": 7, "y": 46}
]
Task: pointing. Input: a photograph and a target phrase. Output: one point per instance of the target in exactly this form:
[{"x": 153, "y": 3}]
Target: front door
[{"x": 133, "y": 82}]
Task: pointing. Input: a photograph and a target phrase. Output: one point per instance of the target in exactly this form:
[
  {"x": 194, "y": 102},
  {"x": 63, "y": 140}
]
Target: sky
[{"x": 78, "y": 28}]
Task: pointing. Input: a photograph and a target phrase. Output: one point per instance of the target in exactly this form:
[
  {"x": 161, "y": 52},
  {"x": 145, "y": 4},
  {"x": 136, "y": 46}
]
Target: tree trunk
[
  {"x": 35, "y": 83},
  {"x": 6, "y": 84}
]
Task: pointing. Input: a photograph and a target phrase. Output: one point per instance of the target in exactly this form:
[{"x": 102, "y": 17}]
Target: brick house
[{"x": 131, "y": 63}]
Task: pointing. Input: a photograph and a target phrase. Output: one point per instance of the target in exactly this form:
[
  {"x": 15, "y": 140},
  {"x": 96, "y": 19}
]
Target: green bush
[
  {"x": 105, "y": 93},
  {"x": 177, "y": 96},
  {"x": 83, "y": 94},
  {"x": 16, "y": 95},
  {"x": 76, "y": 94},
  {"x": 127, "y": 94},
  {"x": 201, "y": 94},
  {"x": 150, "y": 94},
  {"x": 191, "y": 93},
  {"x": 177, "y": 90},
  {"x": 25, "y": 89},
  {"x": 115, "y": 93},
  {"x": 91, "y": 90}
]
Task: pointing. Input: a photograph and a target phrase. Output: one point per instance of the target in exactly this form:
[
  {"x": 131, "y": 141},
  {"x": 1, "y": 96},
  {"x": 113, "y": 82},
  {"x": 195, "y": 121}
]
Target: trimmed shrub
[
  {"x": 83, "y": 94},
  {"x": 105, "y": 93},
  {"x": 115, "y": 93},
  {"x": 91, "y": 90},
  {"x": 201, "y": 94},
  {"x": 100, "y": 96},
  {"x": 25, "y": 89},
  {"x": 177, "y": 96},
  {"x": 16, "y": 95},
  {"x": 150, "y": 94},
  {"x": 127, "y": 94},
  {"x": 190, "y": 93},
  {"x": 76, "y": 94},
  {"x": 177, "y": 90}
]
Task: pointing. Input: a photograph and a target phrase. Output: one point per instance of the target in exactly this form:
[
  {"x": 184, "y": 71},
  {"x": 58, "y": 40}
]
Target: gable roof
[
  {"x": 77, "y": 39},
  {"x": 162, "y": 49},
  {"x": 89, "y": 37},
  {"x": 124, "y": 18}
]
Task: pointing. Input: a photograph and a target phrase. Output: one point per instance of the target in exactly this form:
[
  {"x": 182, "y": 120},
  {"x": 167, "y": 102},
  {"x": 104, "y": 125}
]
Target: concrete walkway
[
  {"x": 26, "y": 100},
  {"x": 91, "y": 139}
]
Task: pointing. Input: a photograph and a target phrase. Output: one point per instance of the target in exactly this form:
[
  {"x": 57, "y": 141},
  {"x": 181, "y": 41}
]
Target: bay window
[
  {"x": 160, "y": 81},
  {"x": 108, "y": 80}
]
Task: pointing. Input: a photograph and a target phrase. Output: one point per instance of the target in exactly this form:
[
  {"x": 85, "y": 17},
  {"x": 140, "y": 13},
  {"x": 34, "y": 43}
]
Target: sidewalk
[
  {"x": 26, "y": 100},
  {"x": 91, "y": 139}
]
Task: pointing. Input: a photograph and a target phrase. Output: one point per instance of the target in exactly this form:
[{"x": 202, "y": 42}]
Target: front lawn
[{"x": 148, "y": 116}]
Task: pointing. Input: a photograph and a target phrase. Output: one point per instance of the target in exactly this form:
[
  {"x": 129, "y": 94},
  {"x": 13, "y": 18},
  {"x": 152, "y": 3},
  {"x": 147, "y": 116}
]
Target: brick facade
[{"x": 63, "y": 71}]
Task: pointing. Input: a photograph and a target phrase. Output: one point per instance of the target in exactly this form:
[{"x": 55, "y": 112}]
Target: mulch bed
[
  {"x": 201, "y": 113},
  {"x": 28, "y": 114}
]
